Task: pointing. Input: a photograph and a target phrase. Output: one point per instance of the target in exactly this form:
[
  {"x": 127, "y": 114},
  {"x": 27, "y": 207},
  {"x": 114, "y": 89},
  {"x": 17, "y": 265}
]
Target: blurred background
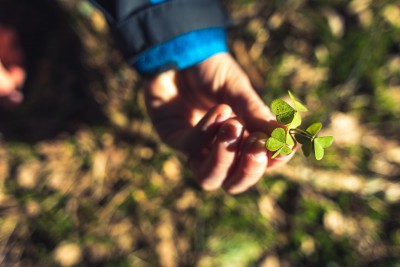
[{"x": 84, "y": 180}]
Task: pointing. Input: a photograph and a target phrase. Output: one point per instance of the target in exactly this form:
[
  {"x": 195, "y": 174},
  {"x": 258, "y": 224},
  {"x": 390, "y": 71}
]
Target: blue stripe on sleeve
[
  {"x": 157, "y": 1},
  {"x": 182, "y": 51}
]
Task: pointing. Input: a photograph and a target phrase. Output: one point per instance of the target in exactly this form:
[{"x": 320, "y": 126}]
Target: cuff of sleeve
[{"x": 182, "y": 51}]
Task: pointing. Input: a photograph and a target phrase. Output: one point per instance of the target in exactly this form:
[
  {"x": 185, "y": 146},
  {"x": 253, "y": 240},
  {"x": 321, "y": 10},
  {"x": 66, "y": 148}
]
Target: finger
[
  {"x": 204, "y": 132},
  {"x": 251, "y": 166},
  {"x": 170, "y": 116},
  {"x": 211, "y": 171},
  {"x": 176, "y": 123}
]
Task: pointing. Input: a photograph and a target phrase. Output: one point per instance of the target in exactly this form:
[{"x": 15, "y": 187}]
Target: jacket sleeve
[{"x": 159, "y": 35}]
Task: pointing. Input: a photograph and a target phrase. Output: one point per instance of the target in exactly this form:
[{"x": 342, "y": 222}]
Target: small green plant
[{"x": 282, "y": 140}]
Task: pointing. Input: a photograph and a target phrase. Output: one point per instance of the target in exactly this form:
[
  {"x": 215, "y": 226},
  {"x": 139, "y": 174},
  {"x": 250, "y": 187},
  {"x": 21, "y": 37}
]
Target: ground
[{"x": 84, "y": 180}]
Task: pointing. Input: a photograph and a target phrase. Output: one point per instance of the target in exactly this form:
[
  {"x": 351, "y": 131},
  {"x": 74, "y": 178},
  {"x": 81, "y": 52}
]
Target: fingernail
[{"x": 257, "y": 149}]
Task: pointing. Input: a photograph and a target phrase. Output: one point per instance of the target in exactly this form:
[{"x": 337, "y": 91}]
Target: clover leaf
[
  {"x": 297, "y": 104},
  {"x": 277, "y": 139},
  {"x": 310, "y": 142},
  {"x": 314, "y": 129},
  {"x": 296, "y": 122},
  {"x": 283, "y": 111},
  {"x": 282, "y": 140},
  {"x": 279, "y": 142},
  {"x": 306, "y": 143},
  {"x": 286, "y": 114},
  {"x": 319, "y": 144}
]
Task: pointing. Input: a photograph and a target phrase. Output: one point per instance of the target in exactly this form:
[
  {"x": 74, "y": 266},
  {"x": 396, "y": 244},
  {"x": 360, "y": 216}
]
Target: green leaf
[
  {"x": 319, "y": 144},
  {"x": 280, "y": 141},
  {"x": 276, "y": 153},
  {"x": 324, "y": 141},
  {"x": 296, "y": 122},
  {"x": 285, "y": 150},
  {"x": 307, "y": 148},
  {"x": 297, "y": 104},
  {"x": 306, "y": 144},
  {"x": 283, "y": 111},
  {"x": 301, "y": 138},
  {"x": 314, "y": 128},
  {"x": 279, "y": 134},
  {"x": 289, "y": 139},
  {"x": 277, "y": 139},
  {"x": 318, "y": 151},
  {"x": 273, "y": 144}
]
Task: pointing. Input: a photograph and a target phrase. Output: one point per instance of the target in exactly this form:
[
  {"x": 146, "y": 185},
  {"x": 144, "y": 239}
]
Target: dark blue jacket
[{"x": 158, "y": 35}]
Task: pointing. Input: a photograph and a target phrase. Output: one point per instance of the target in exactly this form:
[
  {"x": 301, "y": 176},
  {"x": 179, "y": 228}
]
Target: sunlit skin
[
  {"x": 12, "y": 72},
  {"x": 212, "y": 113}
]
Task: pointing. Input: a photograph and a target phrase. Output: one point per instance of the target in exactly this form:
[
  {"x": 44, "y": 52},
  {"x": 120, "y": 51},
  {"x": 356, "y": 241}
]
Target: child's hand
[
  {"x": 212, "y": 113},
  {"x": 12, "y": 73}
]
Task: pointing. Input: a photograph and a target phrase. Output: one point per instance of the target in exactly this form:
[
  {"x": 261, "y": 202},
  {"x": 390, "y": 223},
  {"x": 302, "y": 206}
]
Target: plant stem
[{"x": 300, "y": 132}]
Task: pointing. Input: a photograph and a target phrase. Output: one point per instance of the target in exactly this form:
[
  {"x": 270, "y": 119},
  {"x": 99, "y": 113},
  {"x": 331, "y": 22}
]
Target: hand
[
  {"x": 12, "y": 73},
  {"x": 212, "y": 113}
]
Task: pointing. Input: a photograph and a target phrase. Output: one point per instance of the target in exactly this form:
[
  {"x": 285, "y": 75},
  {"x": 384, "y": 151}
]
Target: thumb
[
  {"x": 237, "y": 91},
  {"x": 246, "y": 103}
]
